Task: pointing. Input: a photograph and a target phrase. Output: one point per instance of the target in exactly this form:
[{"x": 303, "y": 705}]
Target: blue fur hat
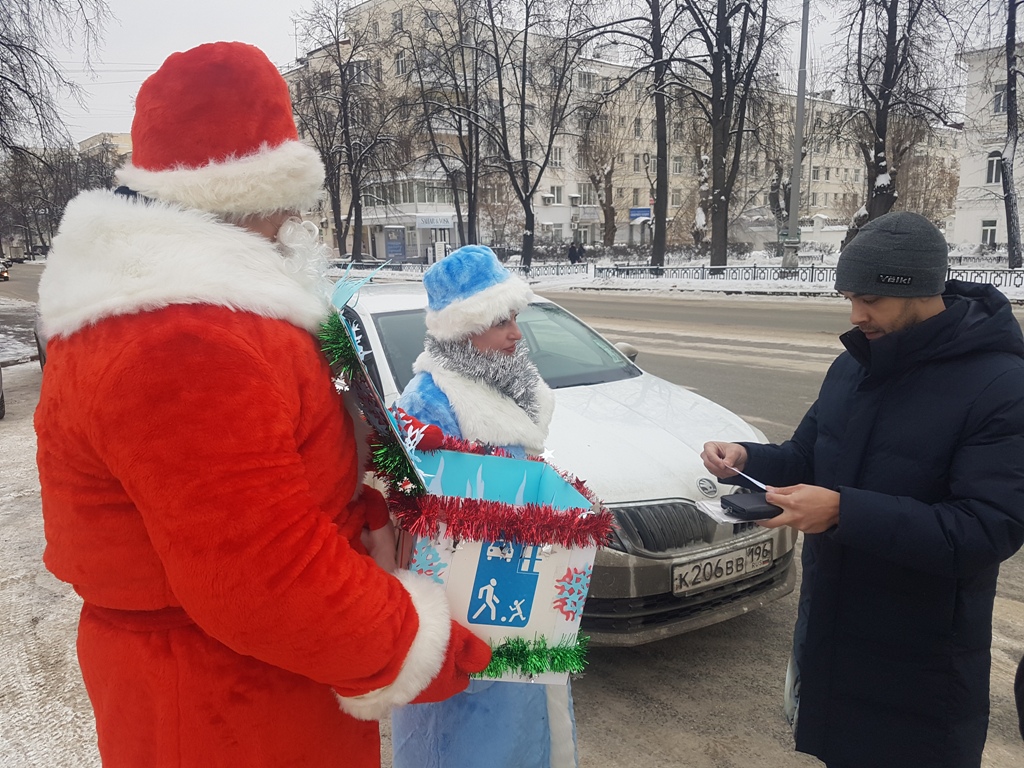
[{"x": 469, "y": 291}]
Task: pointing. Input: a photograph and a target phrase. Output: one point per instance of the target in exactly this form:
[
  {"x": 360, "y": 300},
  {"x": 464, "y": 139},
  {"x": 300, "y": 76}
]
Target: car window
[{"x": 567, "y": 353}]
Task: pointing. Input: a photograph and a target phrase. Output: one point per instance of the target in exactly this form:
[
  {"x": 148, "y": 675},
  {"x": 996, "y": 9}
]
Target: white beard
[{"x": 305, "y": 256}]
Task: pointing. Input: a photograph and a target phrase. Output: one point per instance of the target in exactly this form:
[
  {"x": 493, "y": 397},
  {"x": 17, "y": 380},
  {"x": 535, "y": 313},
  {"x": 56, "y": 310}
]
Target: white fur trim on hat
[
  {"x": 480, "y": 311},
  {"x": 288, "y": 177},
  {"x": 426, "y": 654}
]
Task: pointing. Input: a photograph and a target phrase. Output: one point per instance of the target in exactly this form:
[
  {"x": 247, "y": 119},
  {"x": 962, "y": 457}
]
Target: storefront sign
[{"x": 434, "y": 221}]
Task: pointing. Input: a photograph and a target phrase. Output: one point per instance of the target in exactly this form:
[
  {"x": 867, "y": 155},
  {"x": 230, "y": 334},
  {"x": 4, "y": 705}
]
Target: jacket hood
[
  {"x": 978, "y": 319},
  {"x": 115, "y": 255}
]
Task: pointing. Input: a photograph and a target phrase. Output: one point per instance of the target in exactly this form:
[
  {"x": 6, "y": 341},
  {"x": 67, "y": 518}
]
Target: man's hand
[
  {"x": 808, "y": 508},
  {"x": 381, "y": 544},
  {"x": 717, "y": 455}
]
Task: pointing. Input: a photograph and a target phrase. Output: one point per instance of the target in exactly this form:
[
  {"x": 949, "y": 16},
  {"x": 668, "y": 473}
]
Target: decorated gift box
[{"x": 512, "y": 541}]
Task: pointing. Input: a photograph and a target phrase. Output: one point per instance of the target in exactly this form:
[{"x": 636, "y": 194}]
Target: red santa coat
[{"x": 198, "y": 478}]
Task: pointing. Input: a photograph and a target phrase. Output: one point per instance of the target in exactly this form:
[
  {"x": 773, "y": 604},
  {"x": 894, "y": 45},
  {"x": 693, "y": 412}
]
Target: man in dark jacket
[{"x": 907, "y": 478}]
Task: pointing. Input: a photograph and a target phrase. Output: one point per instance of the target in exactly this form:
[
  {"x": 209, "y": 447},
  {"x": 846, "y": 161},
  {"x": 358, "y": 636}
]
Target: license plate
[{"x": 698, "y": 576}]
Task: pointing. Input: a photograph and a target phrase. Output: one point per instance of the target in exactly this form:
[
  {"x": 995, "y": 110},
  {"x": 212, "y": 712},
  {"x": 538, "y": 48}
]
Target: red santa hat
[{"x": 213, "y": 130}]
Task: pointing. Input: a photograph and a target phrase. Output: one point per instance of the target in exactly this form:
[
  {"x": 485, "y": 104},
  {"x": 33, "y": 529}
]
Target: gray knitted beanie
[{"x": 898, "y": 254}]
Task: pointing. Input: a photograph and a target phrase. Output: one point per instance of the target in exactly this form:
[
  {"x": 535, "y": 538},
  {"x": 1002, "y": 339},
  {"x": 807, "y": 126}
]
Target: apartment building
[
  {"x": 598, "y": 164},
  {"x": 980, "y": 212}
]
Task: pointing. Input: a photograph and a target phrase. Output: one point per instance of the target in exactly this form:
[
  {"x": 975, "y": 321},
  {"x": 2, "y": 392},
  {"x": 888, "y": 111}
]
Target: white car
[{"x": 636, "y": 441}]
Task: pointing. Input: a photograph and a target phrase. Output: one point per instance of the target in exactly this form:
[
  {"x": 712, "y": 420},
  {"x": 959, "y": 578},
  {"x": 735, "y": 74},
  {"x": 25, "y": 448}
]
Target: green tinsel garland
[
  {"x": 337, "y": 345},
  {"x": 535, "y": 657},
  {"x": 389, "y": 459}
]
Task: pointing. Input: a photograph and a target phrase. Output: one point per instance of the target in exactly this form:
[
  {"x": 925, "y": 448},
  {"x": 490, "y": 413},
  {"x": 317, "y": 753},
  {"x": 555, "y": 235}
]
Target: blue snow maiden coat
[
  {"x": 492, "y": 724},
  {"x": 922, "y": 433}
]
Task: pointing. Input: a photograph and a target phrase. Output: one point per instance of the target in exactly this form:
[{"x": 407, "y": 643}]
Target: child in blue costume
[{"x": 475, "y": 381}]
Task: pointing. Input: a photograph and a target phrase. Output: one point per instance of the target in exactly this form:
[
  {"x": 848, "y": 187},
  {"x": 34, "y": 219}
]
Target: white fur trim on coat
[
  {"x": 288, "y": 177},
  {"x": 426, "y": 654},
  {"x": 480, "y": 311},
  {"x": 486, "y": 415},
  {"x": 118, "y": 256}
]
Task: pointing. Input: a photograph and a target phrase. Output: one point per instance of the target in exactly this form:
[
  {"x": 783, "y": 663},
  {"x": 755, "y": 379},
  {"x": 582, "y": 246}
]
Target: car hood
[{"x": 640, "y": 439}]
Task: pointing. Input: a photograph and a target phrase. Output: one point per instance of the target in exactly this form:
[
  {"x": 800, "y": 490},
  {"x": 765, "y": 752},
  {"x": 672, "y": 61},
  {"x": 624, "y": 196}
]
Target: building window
[
  {"x": 988, "y": 232},
  {"x": 637, "y": 164},
  {"x": 430, "y": 19},
  {"x": 815, "y": 173},
  {"x": 396, "y": 21},
  {"x": 401, "y": 64},
  {"x": 856, "y": 174},
  {"x": 677, "y": 164},
  {"x": 556, "y": 193},
  {"x": 638, "y": 128},
  {"x": 585, "y": 81},
  {"x": 359, "y": 71},
  {"x": 994, "y": 173},
  {"x": 588, "y": 195},
  {"x": 814, "y": 198},
  {"x": 620, "y": 191},
  {"x": 556, "y": 232},
  {"x": 677, "y": 198},
  {"x": 556, "y": 157},
  {"x": 636, "y": 196},
  {"x": 828, "y": 174},
  {"x": 999, "y": 100}
]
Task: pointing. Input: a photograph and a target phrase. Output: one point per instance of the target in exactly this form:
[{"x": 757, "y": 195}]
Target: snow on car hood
[{"x": 640, "y": 439}]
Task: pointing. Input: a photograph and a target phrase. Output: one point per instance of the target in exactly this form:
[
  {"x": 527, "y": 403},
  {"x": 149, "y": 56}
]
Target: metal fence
[
  {"x": 1001, "y": 278},
  {"x": 537, "y": 270}
]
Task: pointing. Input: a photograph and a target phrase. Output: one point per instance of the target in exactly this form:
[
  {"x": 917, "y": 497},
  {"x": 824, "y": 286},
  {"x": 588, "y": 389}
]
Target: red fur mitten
[
  {"x": 426, "y": 437},
  {"x": 466, "y": 654}
]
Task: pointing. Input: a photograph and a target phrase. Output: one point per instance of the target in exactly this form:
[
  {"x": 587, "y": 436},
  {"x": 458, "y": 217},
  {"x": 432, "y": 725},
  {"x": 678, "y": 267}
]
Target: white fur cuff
[{"x": 425, "y": 657}]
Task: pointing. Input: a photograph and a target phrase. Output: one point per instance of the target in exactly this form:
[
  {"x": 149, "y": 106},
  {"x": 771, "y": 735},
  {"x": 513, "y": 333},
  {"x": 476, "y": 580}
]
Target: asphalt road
[{"x": 708, "y": 699}]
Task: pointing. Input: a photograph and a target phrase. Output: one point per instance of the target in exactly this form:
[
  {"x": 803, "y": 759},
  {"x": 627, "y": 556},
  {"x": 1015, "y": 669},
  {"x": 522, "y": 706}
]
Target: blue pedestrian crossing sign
[{"x": 505, "y": 584}]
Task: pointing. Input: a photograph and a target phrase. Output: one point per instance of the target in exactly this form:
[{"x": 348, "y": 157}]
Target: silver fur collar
[{"x": 514, "y": 376}]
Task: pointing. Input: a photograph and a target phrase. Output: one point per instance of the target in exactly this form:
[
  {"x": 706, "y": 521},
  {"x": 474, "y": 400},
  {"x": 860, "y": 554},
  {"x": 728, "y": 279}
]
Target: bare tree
[
  {"x": 1009, "y": 154},
  {"x": 36, "y": 186},
  {"x": 30, "y": 76},
  {"x": 450, "y": 70},
  {"x": 898, "y": 54},
  {"x": 598, "y": 149},
  {"x": 344, "y": 108},
  {"x": 712, "y": 49},
  {"x": 537, "y": 47}
]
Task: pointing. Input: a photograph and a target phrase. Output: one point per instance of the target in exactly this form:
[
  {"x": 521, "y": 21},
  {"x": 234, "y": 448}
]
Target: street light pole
[{"x": 792, "y": 243}]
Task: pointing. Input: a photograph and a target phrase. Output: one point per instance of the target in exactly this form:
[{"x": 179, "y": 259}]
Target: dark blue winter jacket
[{"x": 922, "y": 433}]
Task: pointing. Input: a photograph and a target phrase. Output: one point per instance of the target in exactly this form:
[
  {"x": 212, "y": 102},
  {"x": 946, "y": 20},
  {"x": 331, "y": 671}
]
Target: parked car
[
  {"x": 636, "y": 440},
  {"x": 5, "y": 271}
]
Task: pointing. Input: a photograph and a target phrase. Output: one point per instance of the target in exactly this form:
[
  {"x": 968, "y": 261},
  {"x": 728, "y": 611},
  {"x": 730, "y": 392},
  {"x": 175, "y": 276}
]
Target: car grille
[
  {"x": 625, "y": 615},
  {"x": 666, "y": 526}
]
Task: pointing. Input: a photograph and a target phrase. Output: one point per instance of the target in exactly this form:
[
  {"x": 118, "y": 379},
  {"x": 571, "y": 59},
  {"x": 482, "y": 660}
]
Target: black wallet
[{"x": 749, "y": 506}]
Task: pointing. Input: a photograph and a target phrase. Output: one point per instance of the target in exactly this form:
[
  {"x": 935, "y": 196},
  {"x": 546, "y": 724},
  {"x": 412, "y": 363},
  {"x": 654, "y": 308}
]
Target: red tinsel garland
[{"x": 482, "y": 520}]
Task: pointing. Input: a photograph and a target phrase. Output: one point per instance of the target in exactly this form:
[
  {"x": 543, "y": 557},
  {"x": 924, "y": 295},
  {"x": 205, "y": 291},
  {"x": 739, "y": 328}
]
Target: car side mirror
[{"x": 628, "y": 350}]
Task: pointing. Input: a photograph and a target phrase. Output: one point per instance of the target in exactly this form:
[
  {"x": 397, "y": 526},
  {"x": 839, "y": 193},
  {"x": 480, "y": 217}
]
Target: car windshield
[{"x": 567, "y": 353}]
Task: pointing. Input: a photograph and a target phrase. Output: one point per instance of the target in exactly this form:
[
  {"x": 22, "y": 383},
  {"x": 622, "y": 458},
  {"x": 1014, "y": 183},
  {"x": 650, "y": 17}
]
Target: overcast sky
[{"x": 143, "y": 33}]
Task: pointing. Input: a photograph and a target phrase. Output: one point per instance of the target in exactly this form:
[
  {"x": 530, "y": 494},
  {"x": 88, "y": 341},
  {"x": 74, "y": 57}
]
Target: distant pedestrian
[{"x": 574, "y": 253}]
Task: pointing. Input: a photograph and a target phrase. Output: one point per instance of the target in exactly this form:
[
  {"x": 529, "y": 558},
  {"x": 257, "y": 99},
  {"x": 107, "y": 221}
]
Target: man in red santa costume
[{"x": 200, "y": 477}]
